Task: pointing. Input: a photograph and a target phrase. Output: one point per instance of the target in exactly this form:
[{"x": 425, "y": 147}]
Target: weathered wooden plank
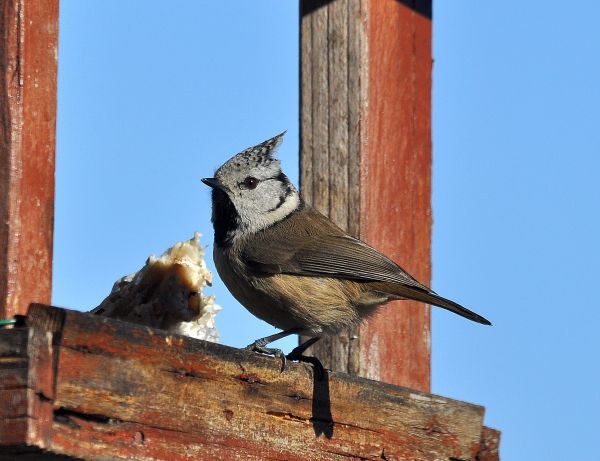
[
  {"x": 13, "y": 431},
  {"x": 337, "y": 105},
  {"x": 15, "y": 376},
  {"x": 45, "y": 330},
  {"x": 377, "y": 140},
  {"x": 315, "y": 157},
  {"x": 357, "y": 99},
  {"x": 13, "y": 342},
  {"x": 29, "y": 34},
  {"x": 122, "y": 391},
  {"x": 13, "y": 386},
  {"x": 320, "y": 116},
  {"x": 14, "y": 403},
  {"x": 490, "y": 445},
  {"x": 306, "y": 146},
  {"x": 335, "y": 102}
]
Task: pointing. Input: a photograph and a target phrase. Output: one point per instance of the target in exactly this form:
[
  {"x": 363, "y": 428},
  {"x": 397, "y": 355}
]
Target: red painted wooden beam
[
  {"x": 29, "y": 34},
  {"x": 396, "y": 186}
]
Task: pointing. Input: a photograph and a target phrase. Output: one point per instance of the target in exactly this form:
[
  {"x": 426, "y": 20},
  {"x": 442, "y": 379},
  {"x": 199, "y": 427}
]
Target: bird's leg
[
  {"x": 260, "y": 345},
  {"x": 297, "y": 352}
]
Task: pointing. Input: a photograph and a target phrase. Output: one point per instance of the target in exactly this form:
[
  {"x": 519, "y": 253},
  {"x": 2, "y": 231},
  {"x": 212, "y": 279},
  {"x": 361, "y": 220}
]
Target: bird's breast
[
  {"x": 318, "y": 305},
  {"x": 252, "y": 293}
]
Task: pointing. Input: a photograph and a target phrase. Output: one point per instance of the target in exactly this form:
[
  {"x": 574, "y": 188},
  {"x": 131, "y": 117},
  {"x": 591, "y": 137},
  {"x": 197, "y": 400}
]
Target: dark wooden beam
[
  {"x": 97, "y": 388},
  {"x": 13, "y": 386},
  {"x": 365, "y": 161},
  {"x": 28, "y": 58}
]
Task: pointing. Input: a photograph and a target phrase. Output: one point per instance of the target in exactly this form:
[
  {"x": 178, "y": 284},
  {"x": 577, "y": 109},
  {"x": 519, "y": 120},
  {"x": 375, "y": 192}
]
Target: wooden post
[
  {"x": 29, "y": 34},
  {"x": 365, "y": 161}
]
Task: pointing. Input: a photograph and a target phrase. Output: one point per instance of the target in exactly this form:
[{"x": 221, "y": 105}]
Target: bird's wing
[
  {"x": 338, "y": 256},
  {"x": 348, "y": 258},
  {"x": 322, "y": 249}
]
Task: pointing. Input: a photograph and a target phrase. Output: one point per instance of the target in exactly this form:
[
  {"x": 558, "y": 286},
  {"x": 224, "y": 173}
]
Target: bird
[{"x": 293, "y": 267}]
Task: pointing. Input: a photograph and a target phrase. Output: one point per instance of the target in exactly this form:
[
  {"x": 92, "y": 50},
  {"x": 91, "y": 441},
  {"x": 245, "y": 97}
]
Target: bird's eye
[{"x": 250, "y": 182}]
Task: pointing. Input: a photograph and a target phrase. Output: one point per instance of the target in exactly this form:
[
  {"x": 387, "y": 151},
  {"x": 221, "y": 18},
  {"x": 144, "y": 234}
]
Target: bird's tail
[{"x": 408, "y": 292}]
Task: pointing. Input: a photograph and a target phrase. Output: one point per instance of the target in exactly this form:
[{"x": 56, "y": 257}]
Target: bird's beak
[{"x": 213, "y": 182}]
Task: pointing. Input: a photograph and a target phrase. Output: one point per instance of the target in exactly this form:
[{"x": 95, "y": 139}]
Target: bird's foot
[{"x": 258, "y": 346}]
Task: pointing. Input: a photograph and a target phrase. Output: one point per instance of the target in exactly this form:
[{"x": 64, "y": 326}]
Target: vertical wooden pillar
[
  {"x": 28, "y": 57},
  {"x": 365, "y": 161}
]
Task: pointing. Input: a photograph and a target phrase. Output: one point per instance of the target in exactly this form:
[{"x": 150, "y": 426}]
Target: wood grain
[
  {"x": 45, "y": 330},
  {"x": 29, "y": 34},
  {"x": 306, "y": 146},
  {"x": 490, "y": 445},
  {"x": 123, "y": 391},
  {"x": 369, "y": 166},
  {"x": 13, "y": 386}
]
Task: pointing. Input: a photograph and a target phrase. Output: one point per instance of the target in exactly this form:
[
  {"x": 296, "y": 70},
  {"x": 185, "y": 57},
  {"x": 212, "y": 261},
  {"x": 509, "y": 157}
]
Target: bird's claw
[{"x": 273, "y": 351}]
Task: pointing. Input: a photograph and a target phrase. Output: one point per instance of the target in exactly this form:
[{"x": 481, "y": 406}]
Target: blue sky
[{"x": 154, "y": 96}]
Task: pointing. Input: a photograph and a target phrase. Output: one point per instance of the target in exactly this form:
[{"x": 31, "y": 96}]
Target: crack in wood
[
  {"x": 15, "y": 418},
  {"x": 289, "y": 416},
  {"x": 250, "y": 379},
  {"x": 18, "y": 72},
  {"x": 66, "y": 415},
  {"x": 354, "y": 426},
  {"x": 346, "y": 455},
  {"x": 183, "y": 373},
  {"x": 86, "y": 349}
]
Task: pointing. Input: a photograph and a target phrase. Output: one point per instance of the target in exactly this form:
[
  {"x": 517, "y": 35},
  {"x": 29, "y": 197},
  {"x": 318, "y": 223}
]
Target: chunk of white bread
[{"x": 167, "y": 293}]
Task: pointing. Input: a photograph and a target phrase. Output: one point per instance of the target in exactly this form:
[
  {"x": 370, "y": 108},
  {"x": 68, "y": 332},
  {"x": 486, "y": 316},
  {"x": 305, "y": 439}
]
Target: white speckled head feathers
[
  {"x": 260, "y": 156},
  {"x": 250, "y": 192}
]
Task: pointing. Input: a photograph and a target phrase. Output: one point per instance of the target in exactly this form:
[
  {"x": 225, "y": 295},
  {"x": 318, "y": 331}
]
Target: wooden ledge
[{"x": 95, "y": 388}]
